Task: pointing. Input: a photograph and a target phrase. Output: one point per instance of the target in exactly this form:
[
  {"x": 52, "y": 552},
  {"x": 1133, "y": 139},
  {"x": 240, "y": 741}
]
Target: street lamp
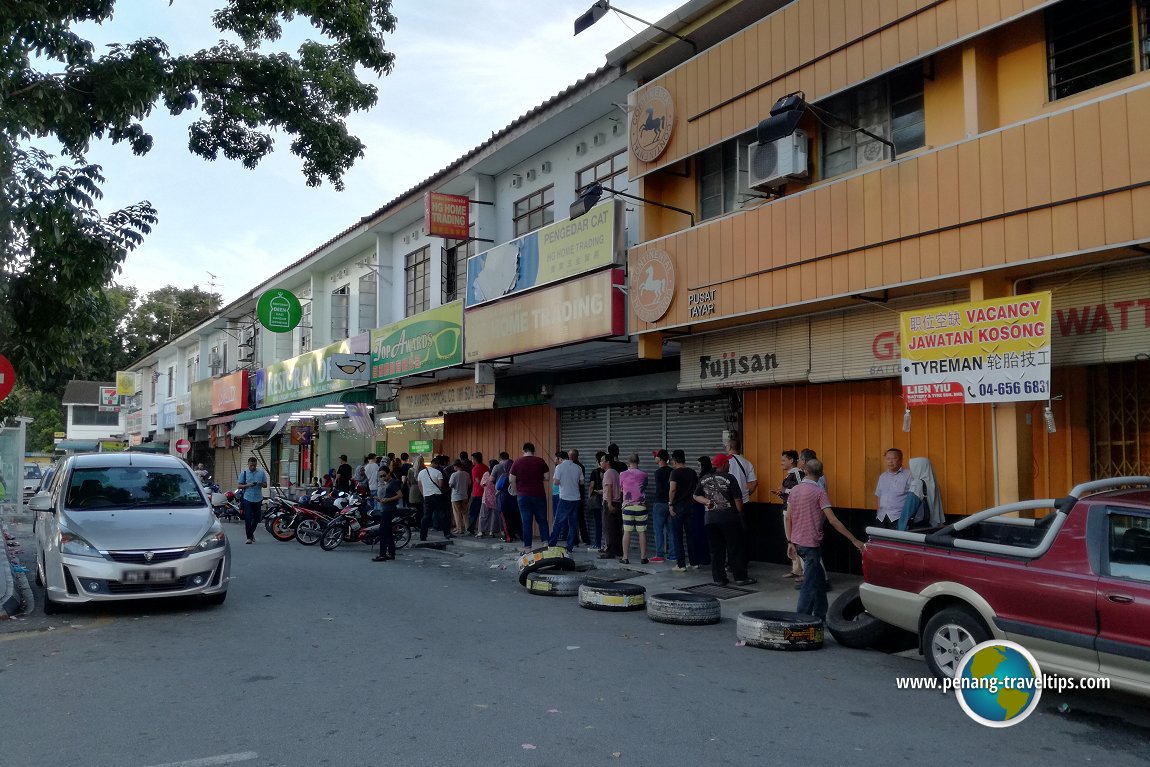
[
  {"x": 593, "y": 193},
  {"x": 599, "y": 10}
]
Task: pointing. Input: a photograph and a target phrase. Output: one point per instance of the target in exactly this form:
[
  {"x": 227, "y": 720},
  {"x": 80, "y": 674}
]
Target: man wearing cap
[{"x": 722, "y": 498}]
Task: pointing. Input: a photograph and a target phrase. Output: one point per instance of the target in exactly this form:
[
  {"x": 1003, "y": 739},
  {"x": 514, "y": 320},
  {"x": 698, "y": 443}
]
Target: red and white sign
[
  {"x": 109, "y": 399},
  {"x": 446, "y": 215},
  {"x": 7, "y": 377},
  {"x": 183, "y": 446}
]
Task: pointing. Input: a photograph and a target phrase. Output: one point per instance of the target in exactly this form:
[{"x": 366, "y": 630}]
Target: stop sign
[
  {"x": 183, "y": 446},
  {"x": 7, "y": 377}
]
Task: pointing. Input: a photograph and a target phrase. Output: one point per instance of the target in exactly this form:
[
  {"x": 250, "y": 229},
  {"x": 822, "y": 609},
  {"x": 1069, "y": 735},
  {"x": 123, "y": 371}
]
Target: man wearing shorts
[{"x": 634, "y": 485}]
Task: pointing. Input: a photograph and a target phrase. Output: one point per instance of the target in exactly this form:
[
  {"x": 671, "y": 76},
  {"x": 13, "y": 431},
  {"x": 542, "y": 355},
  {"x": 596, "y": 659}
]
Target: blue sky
[{"x": 463, "y": 70}]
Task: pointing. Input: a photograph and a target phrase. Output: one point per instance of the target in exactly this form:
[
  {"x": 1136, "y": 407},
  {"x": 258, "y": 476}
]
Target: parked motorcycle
[
  {"x": 225, "y": 505},
  {"x": 353, "y": 526}
]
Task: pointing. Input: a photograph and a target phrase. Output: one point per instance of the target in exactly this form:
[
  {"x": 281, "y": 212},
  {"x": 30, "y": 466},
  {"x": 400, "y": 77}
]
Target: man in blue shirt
[{"x": 252, "y": 481}]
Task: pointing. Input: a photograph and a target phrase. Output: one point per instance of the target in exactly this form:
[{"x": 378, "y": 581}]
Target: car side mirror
[{"x": 42, "y": 501}]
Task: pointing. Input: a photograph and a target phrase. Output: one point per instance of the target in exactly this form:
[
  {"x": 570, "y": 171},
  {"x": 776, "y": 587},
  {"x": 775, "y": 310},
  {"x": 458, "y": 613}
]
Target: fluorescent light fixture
[
  {"x": 433, "y": 421},
  {"x": 386, "y": 419},
  {"x": 393, "y": 426}
]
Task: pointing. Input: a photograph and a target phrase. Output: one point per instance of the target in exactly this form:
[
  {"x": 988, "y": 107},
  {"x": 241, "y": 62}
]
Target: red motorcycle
[
  {"x": 307, "y": 518},
  {"x": 353, "y": 526}
]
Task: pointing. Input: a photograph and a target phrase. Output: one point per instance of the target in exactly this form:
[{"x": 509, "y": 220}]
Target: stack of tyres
[{"x": 546, "y": 558}]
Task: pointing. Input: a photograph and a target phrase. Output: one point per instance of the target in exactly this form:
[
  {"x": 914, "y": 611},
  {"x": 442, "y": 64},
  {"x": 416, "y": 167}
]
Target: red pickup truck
[{"x": 1072, "y": 585}]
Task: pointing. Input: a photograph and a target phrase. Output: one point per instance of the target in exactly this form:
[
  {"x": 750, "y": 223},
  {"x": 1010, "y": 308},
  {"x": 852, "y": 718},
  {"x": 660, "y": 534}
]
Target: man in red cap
[{"x": 722, "y": 498}]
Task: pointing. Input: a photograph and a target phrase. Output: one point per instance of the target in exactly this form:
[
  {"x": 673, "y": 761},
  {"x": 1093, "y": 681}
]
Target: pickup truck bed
[{"x": 1071, "y": 585}]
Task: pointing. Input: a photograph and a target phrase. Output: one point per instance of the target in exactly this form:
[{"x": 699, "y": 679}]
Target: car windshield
[
  {"x": 128, "y": 487},
  {"x": 31, "y": 471}
]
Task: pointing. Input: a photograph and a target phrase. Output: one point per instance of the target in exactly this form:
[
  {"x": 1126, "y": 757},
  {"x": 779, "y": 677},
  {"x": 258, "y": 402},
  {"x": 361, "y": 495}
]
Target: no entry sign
[{"x": 7, "y": 377}]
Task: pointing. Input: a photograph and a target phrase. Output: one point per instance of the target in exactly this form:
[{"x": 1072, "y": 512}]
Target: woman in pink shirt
[
  {"x": 633, "y": 483},
  {"x": 488, "y": 519}
]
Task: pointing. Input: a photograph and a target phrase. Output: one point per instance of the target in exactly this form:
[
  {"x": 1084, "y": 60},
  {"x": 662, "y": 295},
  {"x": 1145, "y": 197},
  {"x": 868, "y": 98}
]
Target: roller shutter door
[
  {"x": 584, "y": 429},
  {"x": 697, "y": 427}
]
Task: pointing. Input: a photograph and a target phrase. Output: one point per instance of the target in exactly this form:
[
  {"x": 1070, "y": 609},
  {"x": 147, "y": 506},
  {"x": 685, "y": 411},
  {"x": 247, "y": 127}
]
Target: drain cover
[{"x": 717, "y": 591}]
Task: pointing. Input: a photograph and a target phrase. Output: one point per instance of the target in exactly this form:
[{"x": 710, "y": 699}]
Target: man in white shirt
[
  {"x": 371, "y": 468},
  {"x": 435, "y": 506},
  {"x": 891, "y": 489},
  {"x": 568, "y": 478},
  {"x": 742, "y": 470}
]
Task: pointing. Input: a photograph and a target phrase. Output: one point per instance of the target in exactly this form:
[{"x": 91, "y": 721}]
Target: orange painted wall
[
  {"x": 490, "y": 431},
  {"x": 851, "y": 425}
]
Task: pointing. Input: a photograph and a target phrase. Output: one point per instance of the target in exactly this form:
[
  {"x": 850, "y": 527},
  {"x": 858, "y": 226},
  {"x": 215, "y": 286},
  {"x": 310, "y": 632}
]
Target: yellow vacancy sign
[{"x": 984, "y": 351}]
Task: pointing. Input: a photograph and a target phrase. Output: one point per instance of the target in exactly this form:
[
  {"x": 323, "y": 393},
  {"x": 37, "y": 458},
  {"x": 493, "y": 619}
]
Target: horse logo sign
[
  {"x": 652, "y": 121},
  {"x": 652, "y": 285}
]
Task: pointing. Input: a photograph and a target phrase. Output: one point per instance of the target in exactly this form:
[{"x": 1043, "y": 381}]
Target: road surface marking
[{"x": 207, "y": 761}]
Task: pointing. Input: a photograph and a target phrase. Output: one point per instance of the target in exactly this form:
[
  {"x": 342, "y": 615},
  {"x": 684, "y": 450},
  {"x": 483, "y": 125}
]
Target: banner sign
[
  {"x": 426, "y": 341},
  {"x": 229, "y": 393},
  {"x": 306, "y": 375},
  {"x": 455, "y": 396},
  {"x": 202, "y": 400},
  {"x": 420, "y": 447},
  {"x": 555, "y": 252},
  {"x": 973, "y": 353},
  {"x": 446, "y": 215},
  {"x": 279, "y": 311},
  {"x": 168, "y": 415},
  {"x": 580, "y": 310},
  {"x": 127, "y": 383}
]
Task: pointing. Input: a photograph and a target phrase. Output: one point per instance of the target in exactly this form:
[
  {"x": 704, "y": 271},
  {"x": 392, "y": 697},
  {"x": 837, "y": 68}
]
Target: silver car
[{"x": 113, "y": 526}]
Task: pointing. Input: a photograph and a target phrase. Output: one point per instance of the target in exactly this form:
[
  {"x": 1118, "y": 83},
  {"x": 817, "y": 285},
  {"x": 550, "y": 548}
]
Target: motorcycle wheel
[
  {"x": 270, "y": 519},
  {"x": 332, "y": 537},
  {"x": 280, "y": 529},
  {"x": 308, "y": 532},
  {"x": 402, "y": 533}
]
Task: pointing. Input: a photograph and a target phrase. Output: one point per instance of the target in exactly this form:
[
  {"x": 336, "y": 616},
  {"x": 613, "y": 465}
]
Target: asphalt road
[{"x": 324, "y": 658}]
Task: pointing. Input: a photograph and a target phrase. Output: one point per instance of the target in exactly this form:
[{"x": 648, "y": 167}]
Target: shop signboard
[
  {"x": 307, "y": 375},
  {"x": 229, "y": 393},
  {"x": 168, "y": 415},
  {"x": 457, "y": 396},
  {"x": 446, "y": 215},
  {"x": 756, "y": 355},
  {"x": 127, "y": 383},
  {"x": 420, "y": 446},
  {"x": 135, "y": 423},
  {"x": 584, "y": 309},
  {"x": 279, "y": 311},
  {"x": 554, "y": 253},
  {"x": 977, "y": 352},
  {"x": 109, "y": 400},
  {"x": 184, "y": 408},
  {"x": 202, "y": 400},
  {"x": 426, "y": 341}
]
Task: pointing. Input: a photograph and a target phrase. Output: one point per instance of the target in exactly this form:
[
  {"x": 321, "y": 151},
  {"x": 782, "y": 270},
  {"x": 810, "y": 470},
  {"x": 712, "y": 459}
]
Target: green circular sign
[{"x": 279, "y": 311}]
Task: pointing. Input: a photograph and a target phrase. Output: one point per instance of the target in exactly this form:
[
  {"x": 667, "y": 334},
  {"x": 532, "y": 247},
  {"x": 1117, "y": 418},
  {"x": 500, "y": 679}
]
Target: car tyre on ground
[
  {"x": 549, "y": 583},
  {"x": 684, "y": 609},
  {"x": 948, "y": 636},
  {"x": 546, "y": 558},
  {"x": 610, "y": 596},
  {"x": 779, "y": 630},
  {"x": 852, "y": 626}
]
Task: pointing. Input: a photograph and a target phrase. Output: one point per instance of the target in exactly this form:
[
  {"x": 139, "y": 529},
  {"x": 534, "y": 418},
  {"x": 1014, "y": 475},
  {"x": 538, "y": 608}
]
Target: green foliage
[
  {"x": 162, "y": 315},
  {"x": 56, "y": 249},
  {"x": 43, "y": 408}
]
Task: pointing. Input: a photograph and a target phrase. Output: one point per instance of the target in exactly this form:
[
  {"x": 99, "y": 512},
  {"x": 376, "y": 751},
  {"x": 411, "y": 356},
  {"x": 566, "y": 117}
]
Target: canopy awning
[
  {"x": 249, "y": 425},
  {"x": 78, "y": 445},
  {"x": 222, "y": 419},
  {"x": 351, "y": 395}
]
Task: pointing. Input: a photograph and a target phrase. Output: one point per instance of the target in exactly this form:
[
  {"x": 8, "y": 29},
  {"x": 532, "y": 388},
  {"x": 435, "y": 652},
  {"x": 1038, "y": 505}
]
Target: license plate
[{"x": 160, "y": 575}]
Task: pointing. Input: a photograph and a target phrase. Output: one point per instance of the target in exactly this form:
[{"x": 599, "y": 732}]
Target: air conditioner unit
[{"x": 776, "y": 162}]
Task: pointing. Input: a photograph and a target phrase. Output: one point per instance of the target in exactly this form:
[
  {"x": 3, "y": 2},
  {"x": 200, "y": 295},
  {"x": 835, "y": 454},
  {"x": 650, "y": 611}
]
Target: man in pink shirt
[
  {"x": 634, "y": 485},
  {"x": 807, "y": 507}
]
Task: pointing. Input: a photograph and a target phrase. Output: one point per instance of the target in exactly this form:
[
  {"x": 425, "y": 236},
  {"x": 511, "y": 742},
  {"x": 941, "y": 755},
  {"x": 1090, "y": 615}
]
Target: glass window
[
  {"x": 603, "y": 172},
  {"x": 890, "y": 106},
  {"x": 455, "y": 257},
  {"x": 534, "y": 210},
  {"x": 340, "y": 312},
  {"x": 192, "y": 372},
  {"x": 368, "y": 289},
  {"x": 1092, "y": 42},
  {"x": 305, "y": 328},
  {"x": 128, "y": 486},
  {"x": 416, "y": 276},
  {"x": 722, "y": 172},
  {"x": 90, "y": 415},
  {"x": 1129, "y": 536},
  {"x": 171, "y": 382}
]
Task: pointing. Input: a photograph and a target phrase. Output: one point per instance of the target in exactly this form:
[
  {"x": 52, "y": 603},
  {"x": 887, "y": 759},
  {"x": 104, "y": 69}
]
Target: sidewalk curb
[{"x": 10, "y": 602}]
